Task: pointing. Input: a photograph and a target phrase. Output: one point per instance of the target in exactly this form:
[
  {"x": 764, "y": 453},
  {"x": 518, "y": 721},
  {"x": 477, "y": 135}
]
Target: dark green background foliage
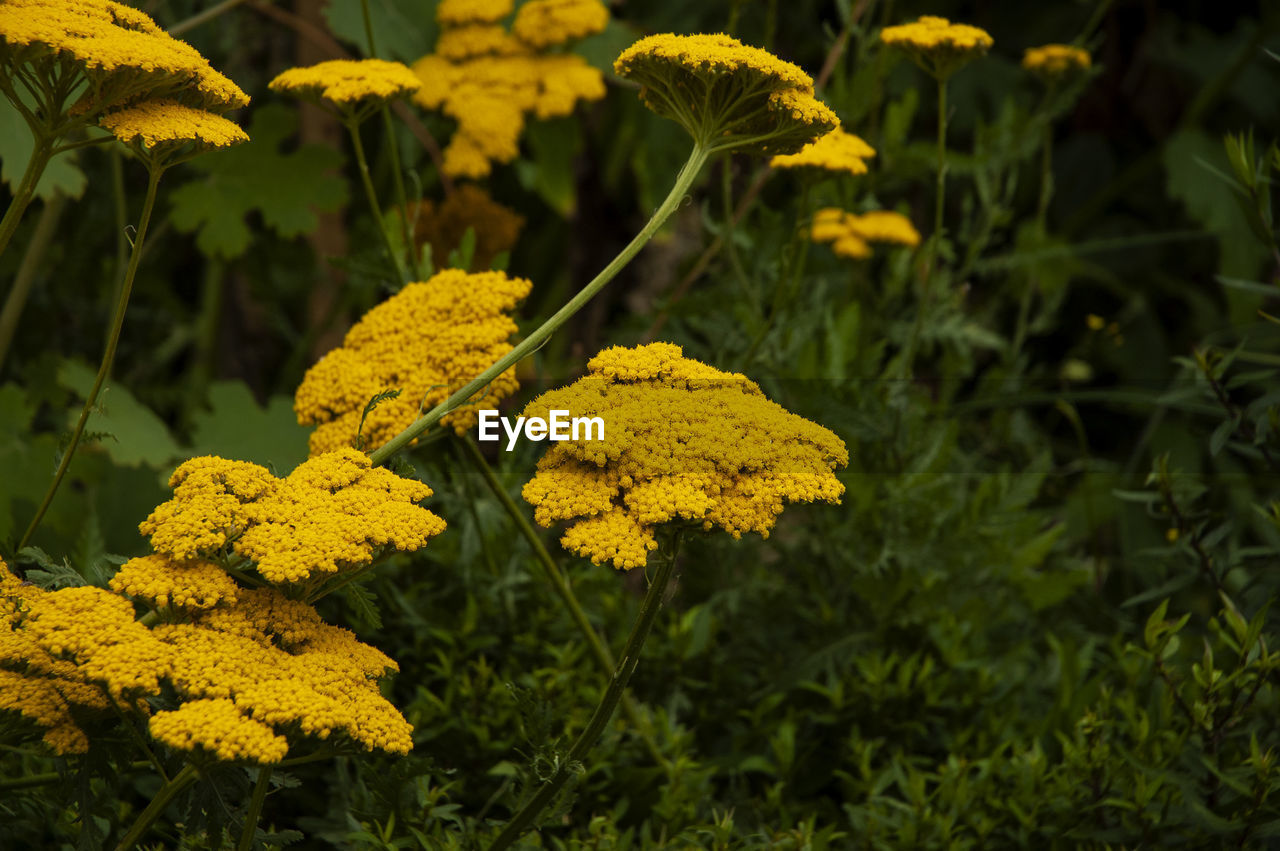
[{"x": 1040, "y": 618}]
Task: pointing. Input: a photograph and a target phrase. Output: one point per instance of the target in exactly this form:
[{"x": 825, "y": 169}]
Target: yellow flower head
[
  {"x": 546, "y": 23},
  {"x": 157, "y": 127},
  {"x": 207, "y": 509},
  {"x": 1054, "y": 61},
  {"x": 850, "y": 235},
  {"x": 349, "y": 83},
  {"x": 727, "y": 94},
  {"x": 427, "y": 341},
  {"x": 837, "y": 151},
  {"x": 490, "y": 95},
  {"x": 163, "y": 581},
  {"x": 121, "y": 52},
  {"x": 937, "y": 45},
  {"x": 683, "y": 442},
  {"x": 219, "y": 727},
  {"x": 452, "y": 13}
]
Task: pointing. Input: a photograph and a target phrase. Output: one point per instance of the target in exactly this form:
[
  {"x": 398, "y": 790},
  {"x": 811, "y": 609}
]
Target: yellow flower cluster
[
  {"x": 166, "y": 122},
  {"x": 850, "y": 234},
  {"x": 453, "y": 13},
  {"x": 426, "y": 341},
  {"x": 221, "y": 729},
  {"x": 837, "y": 151},
  {"x": 1056, "y": 60},
  {"x": 545, "y": 23},
  {"x": 937, "y": 45},
  {"x": 349, "y": 83},
  {"x": 488, "y": 79},
  {"x": 122, "y": 53},
  {"x": 683, "y": 442},
  {"x": 727, "y": 94},
  {"x": 331, "y": 513},
  {"x": 163, "y": 581},
  {"x": 469, "y": 207}
]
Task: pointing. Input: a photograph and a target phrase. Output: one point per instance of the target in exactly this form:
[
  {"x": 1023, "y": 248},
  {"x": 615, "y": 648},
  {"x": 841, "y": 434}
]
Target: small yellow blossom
[
  {"x": 333, "y": 512},
  {"x": 452, "y": 13},
  {"x": 220, "y": 728},
  {"x": 937, "y": 45},
  {"x": 837, "y": 151},
  {"x": 163, "y": 581},
  {"x": 39, "y": 701},
  {"x": 851, "y": 235},
  {"x": 349, "y": 83},
  {"x": 683, "y": 441},
  {"x": 726, "y": 94},
  {"x": 168, "y": 124},
  {"x": 426, "y": 341},
  {"x": 209, "y": 494},
  {"x": 458, "y": 44},
  {"x": 1095, "y": 322},
  {"x": 1053, "y": 61},
  {"x": 123, "y": 54},
  {"x": 546, "y": 23}
]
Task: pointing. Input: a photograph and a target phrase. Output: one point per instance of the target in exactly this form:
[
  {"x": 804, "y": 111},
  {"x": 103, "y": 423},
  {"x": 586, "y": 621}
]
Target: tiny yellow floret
[
  {"x": 837, "y": 151},
  {"x": 937, "y": 45},
  {"x": 349, "y": 82},
  {"x": 166, "y": 122},
  {"x": 851, "y": 235},
  {"x": 546, "y": 23},
  {"x": 1053, "y": 61}
]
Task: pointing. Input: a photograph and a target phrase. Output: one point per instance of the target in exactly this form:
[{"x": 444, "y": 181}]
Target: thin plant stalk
[
  {"x": 254, "y": 812},
  {"x": 108, "y": 355},
  {"x": 406, "y": 232},
  {"x": 163, "y": 798},
  {"x": 524, "y": 819},
  {"x": 353, "y": 127},
  {"x": 32, "y": 261},
  {"x": 697, "y": 158},
  {"x": 564, "y": 590},
  {"x": 22, "y": 196}
]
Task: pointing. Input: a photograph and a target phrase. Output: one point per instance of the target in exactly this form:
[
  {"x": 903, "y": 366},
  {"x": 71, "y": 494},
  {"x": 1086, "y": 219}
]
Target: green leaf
[
  {"x": 549, "y": 171},
  {"x": 140, "y": 437},
  {"x": 402, "y": 29},
  {"x": 16, "y": 144},
  {"x": 234, "y": 426},
  {"x": 285, "y": 188}
]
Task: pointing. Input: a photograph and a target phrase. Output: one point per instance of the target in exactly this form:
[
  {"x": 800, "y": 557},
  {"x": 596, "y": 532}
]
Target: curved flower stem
[
  {"x": 22, "y": 196},
  {"x": 163, "y": 798},
  {"x": 697, "y": 158},
  {"x": 108, "y": 356},
  {"x": 564, "y": 590},
  {"x": 255, "y": 808},
  {"x": 521, "y": 821},
  {"x": 46, "y": 225},
  {"x": 353, "y": 127}
]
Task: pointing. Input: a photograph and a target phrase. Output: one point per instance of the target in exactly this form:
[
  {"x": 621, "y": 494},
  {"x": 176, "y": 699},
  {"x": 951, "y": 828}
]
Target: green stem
[
  {"x": 163, "y": 798},
  {"x": 563, "y": 590},
  {"x": 32, "y": 260},
  {"x": 941, "y": 191},
  {"x": 353, "y": 127},
  {"x": 522, "y": 820},
  {"x": 406, "y": 232},
  {"x": 697, "y": 158},
  {"x": 22, "y": 196},
  {"x": 255, "y": 809},
  {"x": 203, "y": 17},
  {"x": 730, "y": 244},
  {"x": 368, "y": 28},
  {"x": 1046, "y": 178},
  {"x": 108, "y": 356}
]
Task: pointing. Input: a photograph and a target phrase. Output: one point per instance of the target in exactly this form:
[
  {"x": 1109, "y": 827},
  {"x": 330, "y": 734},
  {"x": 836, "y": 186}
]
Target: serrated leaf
[
  {"x": 285, "y": 188},
  {"x": 363, "y": 605},
  {"x": 16, "y": 144},
  {"x": 140, "y": 436},
  {"x": 234, "y": 426}
]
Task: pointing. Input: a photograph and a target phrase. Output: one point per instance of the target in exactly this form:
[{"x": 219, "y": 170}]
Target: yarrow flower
[
  {"x": 426, "y": 341},
  {"x": 488, "y": 79},
  {"x": 355, "y": 86},
  {"x": 937, "y": 45},
  {"x": 121, "y": 53},
  {"x": 160, "y": 128},
  {"x": 851, "y": 234},
  {"x": 331, "y": 513},
  {"x": 468, "y": 207},
  {"x": 1054, "y": 61},
  {"x": 685, "y": 443},
  {"x": 726, "y": 94},
  {"x": 837, "y": 151}
]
